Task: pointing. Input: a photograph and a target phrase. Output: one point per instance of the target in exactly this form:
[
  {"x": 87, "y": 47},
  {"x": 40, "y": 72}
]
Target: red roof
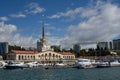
[
  {"x": 66, "y": 53},
  {"x": 35, "y": 52},
  {"x": 24, "y": 52}
]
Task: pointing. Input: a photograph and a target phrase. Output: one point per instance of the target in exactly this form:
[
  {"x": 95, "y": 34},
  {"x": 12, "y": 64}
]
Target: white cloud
[
  {"x": 3, "y": 18},
  {"x": 77, "y": 12},
  {"x": 8, "y": 32},
  {"x": 34, "y": 8},
  {"x": 19, "y": 15},
  {"x": 54, "y": 40},
  {"x": 69, "y": 13},
  {"x": 102, "y": 25}
]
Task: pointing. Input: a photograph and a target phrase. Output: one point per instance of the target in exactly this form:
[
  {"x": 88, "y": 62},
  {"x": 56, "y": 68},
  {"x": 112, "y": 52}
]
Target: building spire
[{"x": 43, "y": 32}]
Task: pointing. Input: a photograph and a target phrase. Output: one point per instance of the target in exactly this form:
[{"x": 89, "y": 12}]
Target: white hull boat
[
  {"x": 32, "y": 64},
  {"x": 15, "y": 65},
  {"x": 102, "y": 64},
  {"x": 114, "y": 63},
  {"x": 60, "y": 64},
  {"x": 83, "y": 63},
  {"x": 2, "y": 64}
]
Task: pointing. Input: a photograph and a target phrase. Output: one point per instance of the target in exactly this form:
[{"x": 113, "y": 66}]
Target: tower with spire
[{"x": 42, "y": 44}]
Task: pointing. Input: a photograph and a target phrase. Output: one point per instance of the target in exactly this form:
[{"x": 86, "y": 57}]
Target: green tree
[{"x": 57, "y": 48}]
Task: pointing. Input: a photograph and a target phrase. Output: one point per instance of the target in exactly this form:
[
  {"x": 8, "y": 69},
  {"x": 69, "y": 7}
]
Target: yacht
[
  {"x": 102, "y": 64},
  {"x": 2, "y": 64},
  {"x": 15, "y": 65},
  {"x": 32, "y": 64},
  {"x": 114, "y": 63},
  {"x": 83, "y": 63}
]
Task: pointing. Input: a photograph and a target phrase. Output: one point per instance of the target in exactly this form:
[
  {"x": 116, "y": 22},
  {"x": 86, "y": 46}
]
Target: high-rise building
[
  {"x": 110, "y": 45},
  {"x": 102, "y": 45},
  {"x": 105, "y": 45},
  {"x": 3, "y": 47},
  {"x": 76, "y": 48},
  {"x": 116, "y": 44}
]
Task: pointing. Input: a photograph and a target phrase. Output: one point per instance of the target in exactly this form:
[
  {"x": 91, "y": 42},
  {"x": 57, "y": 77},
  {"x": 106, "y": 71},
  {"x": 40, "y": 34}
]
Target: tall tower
[
  {"x": 43, "y": 32},
  {"x": 42, "y": 44}
]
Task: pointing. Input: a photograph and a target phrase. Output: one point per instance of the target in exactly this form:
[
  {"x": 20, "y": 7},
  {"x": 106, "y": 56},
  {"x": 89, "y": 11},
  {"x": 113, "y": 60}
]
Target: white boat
[
  {"x": 15, "y": 65},
  {"x": 115, "y": 63},
  {"x": 32, "y": 64},
  {"x": 2, "y": 64},
  {"x": 83, "y": 63},
  {"x": 102, "y": 64},
  {"x": 60, "y": 64}
]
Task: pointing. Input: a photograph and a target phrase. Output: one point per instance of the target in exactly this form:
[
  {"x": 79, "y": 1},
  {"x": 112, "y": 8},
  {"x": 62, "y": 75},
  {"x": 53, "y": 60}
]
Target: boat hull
[{"x": 14, "y": 67}]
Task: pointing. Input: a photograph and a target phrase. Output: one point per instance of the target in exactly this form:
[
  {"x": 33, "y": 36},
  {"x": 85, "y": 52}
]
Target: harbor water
[{"x": 112, "y": 73}]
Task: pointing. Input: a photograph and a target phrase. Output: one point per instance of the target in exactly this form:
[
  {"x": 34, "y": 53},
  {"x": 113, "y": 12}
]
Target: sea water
[{"x": 112, "y": 73}]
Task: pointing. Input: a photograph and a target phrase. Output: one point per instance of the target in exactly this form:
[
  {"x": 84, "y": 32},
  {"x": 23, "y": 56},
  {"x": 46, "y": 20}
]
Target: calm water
[{"x": 62, "y": 74}]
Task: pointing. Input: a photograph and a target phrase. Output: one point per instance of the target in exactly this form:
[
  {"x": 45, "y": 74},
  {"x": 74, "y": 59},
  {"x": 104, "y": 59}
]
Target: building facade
[
  {"x": 43, "y": 57},
  {"x": 102, "y": 45},
  {"x": 110, "y": 45},
  {"x": 3, "y": 47},
  {"x": 76, "y": 48},
  {"x": 116, "y": 44}
]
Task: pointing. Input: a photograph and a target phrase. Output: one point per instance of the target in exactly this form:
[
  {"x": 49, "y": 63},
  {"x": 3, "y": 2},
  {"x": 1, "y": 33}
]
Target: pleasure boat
[
  {"x": 83, "y": 63},
  {"x": 2, "y": 64},
  {"x": 15, "y": 65},
  {"x": 114, "y": 63},
  {"x": 32, "y": 64},
  {"x": 102, "y": 64},
  {"x": 60, "y": 64}
]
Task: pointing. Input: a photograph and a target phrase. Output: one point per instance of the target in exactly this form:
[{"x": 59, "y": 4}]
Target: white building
[{"x": 44, "y": 53}]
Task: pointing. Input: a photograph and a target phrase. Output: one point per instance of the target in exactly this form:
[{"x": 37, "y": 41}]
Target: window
[
  {"x": 53, "y": 55},
  {"x": 49, "y": 54},
  {"x": 45, "y": 55},
  {"x": 22, "y": 57},
  {"x": 19, "y": 57}
]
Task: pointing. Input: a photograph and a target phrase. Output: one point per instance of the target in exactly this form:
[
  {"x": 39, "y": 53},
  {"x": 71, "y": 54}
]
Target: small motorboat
[{"x": 15, "y": 65}]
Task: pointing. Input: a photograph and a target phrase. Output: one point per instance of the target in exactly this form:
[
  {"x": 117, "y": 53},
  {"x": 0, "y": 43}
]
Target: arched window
[
  {"x": 53, "y": 55},
  {"x": 34, "y": 57},
  {"x": 49, "y": 54},
  {"x": 22, "y": 57},
  {"x": 45, "y": 55},
  {"x": 42, "y": 55},
  {"x": 56, "y": 56},
  {"x": 19, "y": 57}
]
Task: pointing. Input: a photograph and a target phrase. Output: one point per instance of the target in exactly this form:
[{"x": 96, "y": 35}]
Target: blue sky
[{"x": 67, "y": 22}]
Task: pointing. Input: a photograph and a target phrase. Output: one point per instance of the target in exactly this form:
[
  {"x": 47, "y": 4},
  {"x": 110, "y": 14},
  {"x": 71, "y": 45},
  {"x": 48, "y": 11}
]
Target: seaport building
[{"x": 43, "y": 54}]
